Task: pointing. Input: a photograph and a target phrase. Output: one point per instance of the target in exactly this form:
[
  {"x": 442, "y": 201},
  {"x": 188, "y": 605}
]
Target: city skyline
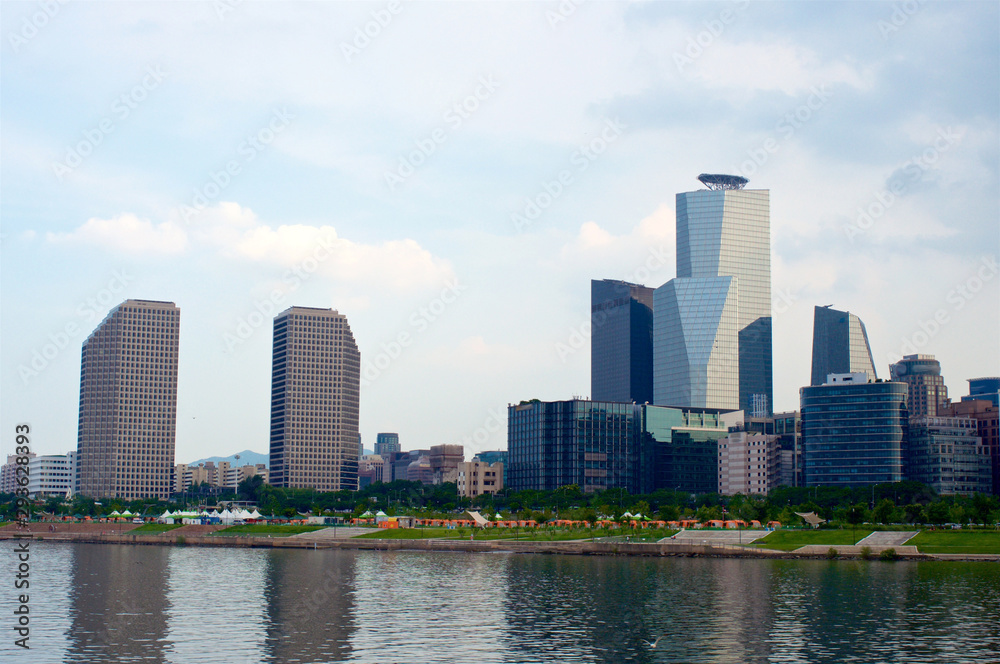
[{"x": 155, "y": 151}]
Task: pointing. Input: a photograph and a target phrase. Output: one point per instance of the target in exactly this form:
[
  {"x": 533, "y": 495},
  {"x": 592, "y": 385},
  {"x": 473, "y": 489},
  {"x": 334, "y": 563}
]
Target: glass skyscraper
[
  {"x": 621, "y": 342},
  {"x": 315, "y": 390},
  {"x": 712, "y": 324},
  {"x": 840, "y": 345},
  {"x": 128, "y": 402}
]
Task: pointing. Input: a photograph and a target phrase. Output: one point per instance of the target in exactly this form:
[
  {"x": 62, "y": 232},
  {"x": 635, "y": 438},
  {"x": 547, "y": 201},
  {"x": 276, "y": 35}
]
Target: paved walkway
[
  {"x": 340, "y": 532},
  {"x": 886, "y": 538},
  {"x": 717, "y": 536}
]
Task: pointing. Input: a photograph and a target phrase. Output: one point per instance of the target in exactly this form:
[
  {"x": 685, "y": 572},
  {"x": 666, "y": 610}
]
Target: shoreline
[{"x": 586, "y": 548}]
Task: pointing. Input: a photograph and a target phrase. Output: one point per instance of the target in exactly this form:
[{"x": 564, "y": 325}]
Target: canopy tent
[{"x": 811, "y": 518}]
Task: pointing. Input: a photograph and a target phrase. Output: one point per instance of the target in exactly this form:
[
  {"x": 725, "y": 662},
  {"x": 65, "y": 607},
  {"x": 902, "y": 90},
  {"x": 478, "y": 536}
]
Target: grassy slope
[
  {"x": 789, "y": 540},
  {"x": 261, "y": 529},
  {"x": 153, "y": 528},
  {"x": 956, "y": 541}
]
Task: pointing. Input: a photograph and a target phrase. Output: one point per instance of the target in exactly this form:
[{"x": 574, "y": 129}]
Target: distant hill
[{"x": 246, "y": 457}]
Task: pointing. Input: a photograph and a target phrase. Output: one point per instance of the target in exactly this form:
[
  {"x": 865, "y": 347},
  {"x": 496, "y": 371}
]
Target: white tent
[{"x": 255, "y": 514}]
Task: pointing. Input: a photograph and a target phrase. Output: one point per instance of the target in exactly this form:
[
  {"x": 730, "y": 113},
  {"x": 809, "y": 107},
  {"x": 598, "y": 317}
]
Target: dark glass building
[
  {"x": 984, "y": 389},
  {"x": 854, "y": 433},
  {"x": 603, "y": 445},
  {"x": 840, "y": 345},
  {"x": 621, "y": 342},
  {"x": 386, "y": 444}
]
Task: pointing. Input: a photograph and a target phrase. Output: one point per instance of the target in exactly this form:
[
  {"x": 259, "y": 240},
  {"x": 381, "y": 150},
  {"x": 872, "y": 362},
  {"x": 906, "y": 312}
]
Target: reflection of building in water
[
  {"x": 118, "y": 606},
  {"x": 308, "y": 597}
]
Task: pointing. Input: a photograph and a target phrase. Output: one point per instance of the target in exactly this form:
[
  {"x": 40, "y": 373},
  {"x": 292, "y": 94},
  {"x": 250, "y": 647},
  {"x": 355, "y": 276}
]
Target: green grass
[
  {"x": 406, "y": 533},
  {"x": 789, "y": 540},
  {"x": 154, "y": 528},
  {"x": 262, "y": 529},
  {"x": 509, "y": 534},
  {"x": 956, "y": 541}
]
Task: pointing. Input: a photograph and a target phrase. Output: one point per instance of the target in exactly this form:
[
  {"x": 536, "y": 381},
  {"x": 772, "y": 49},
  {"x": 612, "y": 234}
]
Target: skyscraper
[
  {"x": 128, "y": 402},
  {"x": 840, "y": 345},
  {"x": 315, "y": 390},
  {"x": 926, "y": 391},
  {"x": 386, "y": 444},
  {"x": 712, "y": 324},
  {"x": 621, "y": 342}
]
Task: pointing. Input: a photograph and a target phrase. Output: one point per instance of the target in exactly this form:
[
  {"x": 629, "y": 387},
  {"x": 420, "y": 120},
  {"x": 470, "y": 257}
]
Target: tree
[
  {"x": 884, "y": 511},
  {"x": 937, "y": 512},
  {"x": 981, "y": 506},
  {"x": 915, "y": 513},
  {"x": 250, "y": 488}
]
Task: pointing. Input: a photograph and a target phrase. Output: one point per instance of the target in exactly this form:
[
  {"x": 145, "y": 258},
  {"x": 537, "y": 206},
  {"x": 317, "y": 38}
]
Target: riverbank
[{"x": 580, "y": 548}]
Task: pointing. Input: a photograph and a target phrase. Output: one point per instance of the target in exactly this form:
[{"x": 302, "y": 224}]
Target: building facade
[
  {"x": 386, "y": 444},
  {"x": 128, "y": 403},
  {"x": 8, "y": 472},
  {"x": 787, "y": 429},
  {"x": 926, "y": 391},
  {"x": 712, "y": 324},
  {"x": 51, "y": 475},
  {"x": 444, "y": 460},
  {"x": 315, "y": 393},
  {"x": 854, "y": 433},
  {"x": 621, "y": 342},
  {"x": 984, "y": 389},
  {"x": 987, "y": 417},
  {"x": 478, "y": 477},
  {"x": 749, "y": 463},
  {"x": 370, "y": 470},
  {"x": 946, "y": 454},
  {"x": 840, "y": 345}
]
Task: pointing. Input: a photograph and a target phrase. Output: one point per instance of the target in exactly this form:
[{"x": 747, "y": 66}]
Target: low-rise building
[
  {"x": 477, "y": 477},
  {"x": 51, "y": 475},
  {"x": 8, "y": 472}
]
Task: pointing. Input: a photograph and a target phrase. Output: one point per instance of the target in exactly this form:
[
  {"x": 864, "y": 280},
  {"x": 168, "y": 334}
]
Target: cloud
[{"x": 129, "y": 234}]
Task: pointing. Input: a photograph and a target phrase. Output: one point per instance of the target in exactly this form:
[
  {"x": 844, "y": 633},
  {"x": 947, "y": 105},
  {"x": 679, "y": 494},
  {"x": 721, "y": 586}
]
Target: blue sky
[{"x": 201, "y": 152}]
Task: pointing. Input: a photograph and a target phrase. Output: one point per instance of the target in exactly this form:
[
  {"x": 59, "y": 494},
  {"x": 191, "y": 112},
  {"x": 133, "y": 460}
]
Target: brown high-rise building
[
  {"x": 926, "y": 391},
  {"x": 315, "y": 391},
  {"x": 128, "y": 402}
]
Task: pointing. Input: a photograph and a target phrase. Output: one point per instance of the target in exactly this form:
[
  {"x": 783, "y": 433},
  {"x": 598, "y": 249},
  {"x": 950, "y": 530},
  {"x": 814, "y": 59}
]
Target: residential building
[
  {"x": 946, "y": 454},
  {"x": 128, "y": 402},
  {"x": 51, "y": 475},
  {"x": 749, "y": 463},
  {"x": 477, "y": 477},
  {"x": 984, "y": 389},
  {"x": 854, "y": 433},
  {"x": 987, "y": 428},
  {"x": 444, "y": 460},
  {"x": 621, "y": 342},
  {"x": 218, "y": 476},
  {"x": 601, "y": 445},
  {"x": 8, "y": 472},
  {"x": 495, "y": 456},
  {"x": 712, "y": 324},
  {"x": 787, "y": 428},
  {"x": 926, "y": 391},
  {"x": 315, "y": 392},
  {"x": 386, "y": 444},
  {"x": 840, "y": 345}
]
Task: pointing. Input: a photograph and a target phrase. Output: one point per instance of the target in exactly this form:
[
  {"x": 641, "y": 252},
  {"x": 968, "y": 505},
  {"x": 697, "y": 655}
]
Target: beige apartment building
[
  {"x": 749, "y": 463},
  {"x": 315, "y": 392},
  {"x": 477, "y": 477},
  {"x": 220, "y": 474},
  {"x": 128, "y": 402}
]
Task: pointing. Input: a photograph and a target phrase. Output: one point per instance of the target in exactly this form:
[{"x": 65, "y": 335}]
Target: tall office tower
[
  {"x": 854, "y": 433},
  {"x": 712, "y": 324},
  {"x": 128, "y": 402},
  {"x": 840, "y": 345},
  {"x": 621, "y": 342},
  {"x": 315, "y": 390},
  {"x": 386, "y": 444},
  {"x": 926, "y": 391}
]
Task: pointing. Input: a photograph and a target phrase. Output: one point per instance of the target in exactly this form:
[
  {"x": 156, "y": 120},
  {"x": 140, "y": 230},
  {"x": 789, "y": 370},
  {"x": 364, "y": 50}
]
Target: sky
[{"x": 451, "y": 176}]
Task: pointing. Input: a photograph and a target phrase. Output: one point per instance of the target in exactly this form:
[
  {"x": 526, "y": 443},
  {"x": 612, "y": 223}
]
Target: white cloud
[{"x": 127, "y": 233}]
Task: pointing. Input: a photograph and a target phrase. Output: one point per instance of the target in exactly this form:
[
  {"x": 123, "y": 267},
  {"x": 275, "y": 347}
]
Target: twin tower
[{"x": 703, "y": 339}]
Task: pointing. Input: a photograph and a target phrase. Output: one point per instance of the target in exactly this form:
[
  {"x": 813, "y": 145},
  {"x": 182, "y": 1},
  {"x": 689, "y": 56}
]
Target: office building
[
  {"x": 128, "y": 402},
  {"x": 984, "y": 389},
  {"x": 602, "y": 445},
  {"x": 946, "y": 454},
  {"x": 786, "y": 427},
  {"x": 315, "y": 391},
  {"x": 51, "y": 475},
  {"x": 749, "y": 463},
  {"x": 386, "y": 444},
  {"x": 854, "y": 433},
  {"x": 621, "y": 342},
  {"x": 477, "y": 477},
  {"x": 9, "y": 474},
  {"x": 840, "y": 345},
  {"x": 444, "y": 460},
  {"x": 370, "y": 470},
  {"x": 926, "y": 391},
  {"x": 712, "y": 324},
  {"x": 987, "y": 417}
]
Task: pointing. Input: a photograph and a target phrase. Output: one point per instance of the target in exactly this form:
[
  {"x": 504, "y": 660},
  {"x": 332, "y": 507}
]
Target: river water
[{"x": 115, "y": 603}]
